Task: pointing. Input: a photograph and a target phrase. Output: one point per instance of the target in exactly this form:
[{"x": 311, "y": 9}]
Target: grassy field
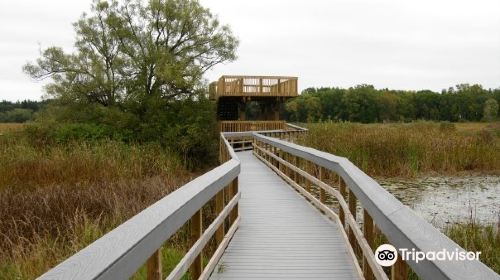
[
  {"x": 407, "y": 150},
  {"x": 57, "y": 199},
  {"x": 10, "y": 127}
]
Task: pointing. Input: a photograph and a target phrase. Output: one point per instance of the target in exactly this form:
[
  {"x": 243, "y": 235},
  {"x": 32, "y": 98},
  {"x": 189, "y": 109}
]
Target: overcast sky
[{"x": 424, "y": 44}]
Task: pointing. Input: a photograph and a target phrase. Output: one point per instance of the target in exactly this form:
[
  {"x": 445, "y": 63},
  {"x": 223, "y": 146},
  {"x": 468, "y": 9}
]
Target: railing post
[
  {"x": 280, "y": 167},
  {"x": 352, "y": 210},
  {"x": 342, "y": 191},
  {"x": 399, "y": 270},
  {"x": 322, "y": 193},
  {"x": 234, "y": 190},
  {"x": 196, "y": 231},
  {"x": 154, "y": 266},
  {"x": 368, "y": 234},
  {"x": 301, "y": 165},
  {"x": 275, "y": 162},
  {"x": 219, "y": 206},
  {"x": 307, "y": 182},
  {"x": 295, "y": 174}
]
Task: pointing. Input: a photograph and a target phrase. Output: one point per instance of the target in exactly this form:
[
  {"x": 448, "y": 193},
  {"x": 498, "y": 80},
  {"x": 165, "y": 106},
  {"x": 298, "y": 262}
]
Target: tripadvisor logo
[{"x": 387, "y": 255}]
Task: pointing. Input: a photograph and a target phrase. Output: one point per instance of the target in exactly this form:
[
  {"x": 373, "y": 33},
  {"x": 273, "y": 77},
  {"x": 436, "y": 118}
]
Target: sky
[{"x": 397, "y": 44}]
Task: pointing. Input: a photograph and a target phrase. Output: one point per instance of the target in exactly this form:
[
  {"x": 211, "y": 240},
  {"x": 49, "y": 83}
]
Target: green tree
[
  {"x": 137, "y": 75},
  {"x": 129, "y": 51},
  {"x": 360, "y": 104},
  {"x": 490, "y": 109},
  {"x": 16, "y": 115}
]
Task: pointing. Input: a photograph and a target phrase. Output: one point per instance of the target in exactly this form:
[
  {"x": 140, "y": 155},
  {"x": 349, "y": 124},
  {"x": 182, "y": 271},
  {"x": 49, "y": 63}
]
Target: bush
[
  {"x": 186, "y": 126},
  {"x": 16, "y": 115}
]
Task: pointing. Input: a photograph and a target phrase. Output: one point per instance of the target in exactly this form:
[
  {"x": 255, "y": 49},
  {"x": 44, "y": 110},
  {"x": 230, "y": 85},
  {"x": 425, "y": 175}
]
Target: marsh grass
[
  {"x": 10, "y": 127},
  {"x": 406, "y": 150},
  {"x": 482, "y": 238},
  {"x": 57, "y": 199}
]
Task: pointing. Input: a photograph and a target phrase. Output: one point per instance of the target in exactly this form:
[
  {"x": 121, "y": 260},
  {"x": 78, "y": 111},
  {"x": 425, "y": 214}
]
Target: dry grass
[
  {"x": 407, "y": 150},
  {"x": 10, "y": 127},
  {"x": 55, "y": 200}
]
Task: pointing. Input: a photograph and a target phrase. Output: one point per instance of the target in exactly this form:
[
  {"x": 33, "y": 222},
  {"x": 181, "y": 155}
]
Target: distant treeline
[
  {"x": 19, "y": 111},
  {"x": 364, "y": 103}
]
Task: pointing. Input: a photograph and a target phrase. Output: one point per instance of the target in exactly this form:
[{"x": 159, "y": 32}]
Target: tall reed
[
  {"x": 407, "y": 150},
  {"x": 57, "y": 199}
]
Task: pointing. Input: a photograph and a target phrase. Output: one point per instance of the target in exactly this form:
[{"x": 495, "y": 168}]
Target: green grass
[{"x": 482, "y": 238}]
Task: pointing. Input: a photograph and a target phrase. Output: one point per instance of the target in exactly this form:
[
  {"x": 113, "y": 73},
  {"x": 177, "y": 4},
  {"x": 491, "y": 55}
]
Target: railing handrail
[
  {"x": 251, "y": 133},
  {"x": 403, "y": 228},
  {"x": 296, "y": 127},
  {"x": 257, "y": 77},
  {"x": 122, "y": 251}
]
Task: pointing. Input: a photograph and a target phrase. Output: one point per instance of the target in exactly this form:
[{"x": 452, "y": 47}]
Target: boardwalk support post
[
  {"x": 368, "y": 234},
  {"x": 154, "y": 266},
  {"x": 234, "y": 191},
  {"x": 219, "y": 206},
  {"x": 342, "y": 191},
  {"x": 399, "y": 270},
  {"x": 196, "y": 231},
  {"x": 352, "y": 209},
  {"x": 322, "y": 193}
]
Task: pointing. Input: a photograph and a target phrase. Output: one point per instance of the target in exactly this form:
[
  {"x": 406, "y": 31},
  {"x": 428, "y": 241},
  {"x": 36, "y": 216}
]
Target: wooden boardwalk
[
  {"x": 277, "y": 233},
  {"x": 281, "y": 236}
]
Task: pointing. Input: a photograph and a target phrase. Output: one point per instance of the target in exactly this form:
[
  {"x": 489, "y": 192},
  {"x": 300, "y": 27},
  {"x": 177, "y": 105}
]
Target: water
[{"x": 445, "y": 200}]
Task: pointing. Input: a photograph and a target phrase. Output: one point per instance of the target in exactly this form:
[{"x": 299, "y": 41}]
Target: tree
[
  {"x": 137, "y": 75},
  {"x": 128, "y": 51},
  {"x": 16, "y": 115},
  {"x": 490, "y": 109}
]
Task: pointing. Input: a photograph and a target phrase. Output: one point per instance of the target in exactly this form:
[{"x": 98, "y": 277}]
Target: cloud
[{"x": 397, "y": 44}]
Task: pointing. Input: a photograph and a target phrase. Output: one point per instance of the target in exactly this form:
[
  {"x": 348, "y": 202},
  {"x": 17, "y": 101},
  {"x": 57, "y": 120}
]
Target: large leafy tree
[
  {"x": 129, "y": 52},
  {"x": 136, "y": 74}
]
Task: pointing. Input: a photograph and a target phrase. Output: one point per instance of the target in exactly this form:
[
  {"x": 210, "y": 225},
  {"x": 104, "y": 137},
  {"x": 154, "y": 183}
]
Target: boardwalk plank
[{"x": 281, "y": 236}]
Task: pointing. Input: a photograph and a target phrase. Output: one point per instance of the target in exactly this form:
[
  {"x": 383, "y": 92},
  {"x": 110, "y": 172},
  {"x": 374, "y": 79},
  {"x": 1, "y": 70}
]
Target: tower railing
[{"x": 249, "y": 86}]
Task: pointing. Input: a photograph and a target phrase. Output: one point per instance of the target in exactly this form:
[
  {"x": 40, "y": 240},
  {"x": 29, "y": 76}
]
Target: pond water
[{"x": 444, "y": 200}]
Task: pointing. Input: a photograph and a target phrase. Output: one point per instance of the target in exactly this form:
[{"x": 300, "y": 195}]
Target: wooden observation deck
[
  {"x": 267, "y": 93},
  {"x": 254, "y": 86}
]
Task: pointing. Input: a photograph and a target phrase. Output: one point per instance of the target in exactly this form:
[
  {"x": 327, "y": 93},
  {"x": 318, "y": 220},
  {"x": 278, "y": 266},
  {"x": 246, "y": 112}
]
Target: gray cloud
[{"x": 396, "y": 44}]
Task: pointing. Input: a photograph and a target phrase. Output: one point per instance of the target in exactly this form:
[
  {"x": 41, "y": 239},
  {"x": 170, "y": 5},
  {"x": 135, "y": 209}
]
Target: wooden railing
[
  {"x": 253, "y": 86},
  {"x": 241, "y": 126},
  {"x": 242, "y": 141},
  {"x": 138, "y": 241},
  {"x": 330, "y": 182}
]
